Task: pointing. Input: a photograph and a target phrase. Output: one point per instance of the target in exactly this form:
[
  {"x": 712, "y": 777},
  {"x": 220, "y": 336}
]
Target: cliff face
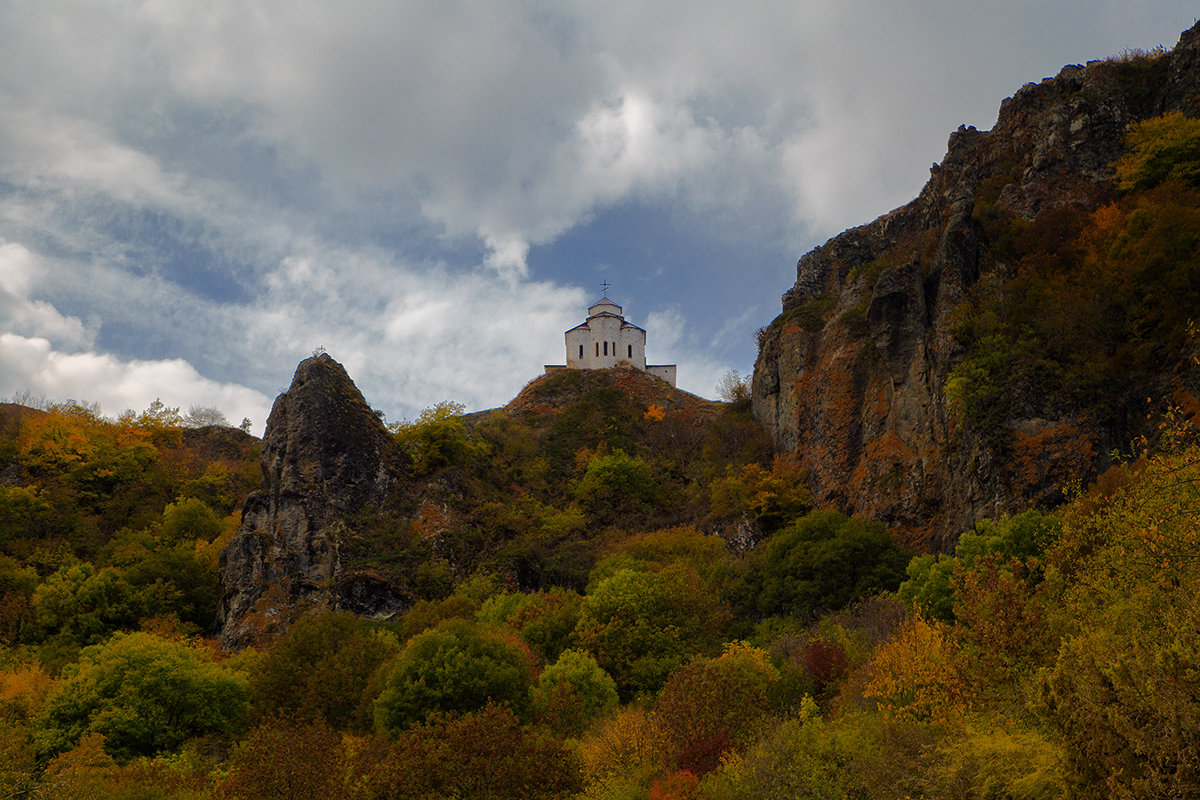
[
  {"x": 852, "y": 375},
  {"x": 323, "y": 462}
]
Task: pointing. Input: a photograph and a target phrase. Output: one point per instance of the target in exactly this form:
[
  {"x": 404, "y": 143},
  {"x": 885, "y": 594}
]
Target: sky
[{"x": 195, "y": 195}]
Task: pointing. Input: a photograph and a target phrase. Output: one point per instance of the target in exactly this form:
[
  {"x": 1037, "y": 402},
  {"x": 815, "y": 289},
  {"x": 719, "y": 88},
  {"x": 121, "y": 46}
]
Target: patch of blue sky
[
  {"x": 656, "y": 258},
  {"x": 180, "y": 252}
]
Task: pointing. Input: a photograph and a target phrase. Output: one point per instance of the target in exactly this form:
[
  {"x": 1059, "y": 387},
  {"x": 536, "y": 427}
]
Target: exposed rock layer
[
  {"x": 323, "y": 462},
  {"x": 851, "y": 375}
]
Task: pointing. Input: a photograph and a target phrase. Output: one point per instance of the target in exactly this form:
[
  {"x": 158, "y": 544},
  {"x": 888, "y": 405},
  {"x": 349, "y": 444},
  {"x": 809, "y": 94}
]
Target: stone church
[{"x": 606, "y": 340}]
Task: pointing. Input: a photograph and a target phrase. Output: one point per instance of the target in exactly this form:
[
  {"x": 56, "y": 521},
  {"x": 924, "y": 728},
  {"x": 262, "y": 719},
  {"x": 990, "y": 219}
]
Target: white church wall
[
  {"x": 606, "y": 340},
  {"x": 631, "y": 346},
  {"x": 606, "y": 333},
  {"x": 664, "y": 371},
  {"x": 579, "y": 344}
]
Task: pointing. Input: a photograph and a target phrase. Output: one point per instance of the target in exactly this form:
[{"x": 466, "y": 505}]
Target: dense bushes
[
  {"x": 930, "y": 585},
  {"x": 571, "y": 692},
  {"x": 617, "y": 482},
  {"x": 644, "y": 625},
  {"x": 1161, "y": 149},
  {"x": 322, "y": 669},
  {"x": 144, "y": 694},
  {"x": 456, "y": 666},
  {"x": 821, "y": 562}
]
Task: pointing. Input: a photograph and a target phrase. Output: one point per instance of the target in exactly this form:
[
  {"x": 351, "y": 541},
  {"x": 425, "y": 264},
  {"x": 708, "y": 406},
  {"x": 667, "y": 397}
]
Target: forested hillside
[{"x": 696, "y": 632}]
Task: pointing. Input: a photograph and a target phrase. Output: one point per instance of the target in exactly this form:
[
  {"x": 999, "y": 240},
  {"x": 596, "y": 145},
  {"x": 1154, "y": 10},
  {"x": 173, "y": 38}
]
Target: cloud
[
  {"x": 512, "y": 121},
  {"x": 20, "y": 314},
  {"x": 69, "y": 151},
  {"x": 506, "y": 121},
  {"x": 507, "y": 255},
  {"x": 45, "y": 352},
  {"x": 738, "y": 326},
  {"x": 469, "y": 97},
  {"x": 665, "y": 328},
  {"x": 32, "y": 364},
  {"x": 669, "y": 340},
  {"x": 413, "y": 336}
]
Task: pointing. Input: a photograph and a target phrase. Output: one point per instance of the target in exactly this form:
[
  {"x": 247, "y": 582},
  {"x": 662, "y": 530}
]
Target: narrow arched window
[
  {"x": 606, "y": 348},
  {"x": 581, "y": 351},
  {"x": 597, "y": 348},
  {"x": 630, "y": 351}
]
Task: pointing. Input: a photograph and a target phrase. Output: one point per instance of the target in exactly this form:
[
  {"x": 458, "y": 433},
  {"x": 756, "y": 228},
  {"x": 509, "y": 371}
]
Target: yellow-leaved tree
[
  {"x": 1124, "y": 692},
  {"x": 918, "y": 674}
]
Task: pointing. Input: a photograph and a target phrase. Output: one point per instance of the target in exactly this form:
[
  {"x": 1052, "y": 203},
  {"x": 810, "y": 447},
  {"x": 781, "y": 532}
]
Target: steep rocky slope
[
  {"x": 852, "y": 375},
  {"x": 323, "y": 463}
]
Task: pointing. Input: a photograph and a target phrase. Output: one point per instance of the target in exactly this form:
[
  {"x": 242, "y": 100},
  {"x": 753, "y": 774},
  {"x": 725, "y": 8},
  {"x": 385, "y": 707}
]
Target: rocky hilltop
[
  {"x": 852, "y": 376},
  {"x": 556, "y": 392},
  {"x": 323, "y": 463}
]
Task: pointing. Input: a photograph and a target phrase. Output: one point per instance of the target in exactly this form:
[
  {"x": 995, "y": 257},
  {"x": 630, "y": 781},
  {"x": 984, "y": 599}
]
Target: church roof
[
  {"x": 604, "y": 301},
  {"x": 601, "y": 308}
]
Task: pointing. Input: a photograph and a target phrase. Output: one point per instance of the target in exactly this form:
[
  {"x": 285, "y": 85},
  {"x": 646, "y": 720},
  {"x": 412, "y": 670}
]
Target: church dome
[{"x": 604, "y": 306}]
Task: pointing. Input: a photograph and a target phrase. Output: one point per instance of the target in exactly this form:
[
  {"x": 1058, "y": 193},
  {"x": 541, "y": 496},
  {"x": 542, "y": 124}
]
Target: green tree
[
  {"x": 805, "y": 757},
  {"x": 617, "y": 482},
  {"x": 1124, "y": 691},
  {"x": 144, "y": 694},
  {"x": 26, "y": 515},
  {"x": 457, "y": 666},
  {"x": 1123, "y": 696},
  {"x": 642, "y": 626},
  {"x": 173, "y": 582},
  {"x": 990, "y": 757},
  {"x": 573, "y": 691},
  {"x": 439, "y": 438},
  {"x": 321, "y": 670},
  {"x": 929, "y": 585},
  {"x": 771, "y": 498},
  {"x": 1160, "y": 148},
  {"x": 823, "y": 561},
  {"x": 82, "y": 605},
  {"x": 545, "y": 620},
  {"x": 17, "y": 585},
  {"x": 189, "y": 519},
  {"x": 482, "y": 754}
]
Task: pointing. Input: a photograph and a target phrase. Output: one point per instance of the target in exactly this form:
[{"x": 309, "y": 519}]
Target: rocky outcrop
[
  {"x": 324, "y": 469},
  {"x": 851, "y": 375}
]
